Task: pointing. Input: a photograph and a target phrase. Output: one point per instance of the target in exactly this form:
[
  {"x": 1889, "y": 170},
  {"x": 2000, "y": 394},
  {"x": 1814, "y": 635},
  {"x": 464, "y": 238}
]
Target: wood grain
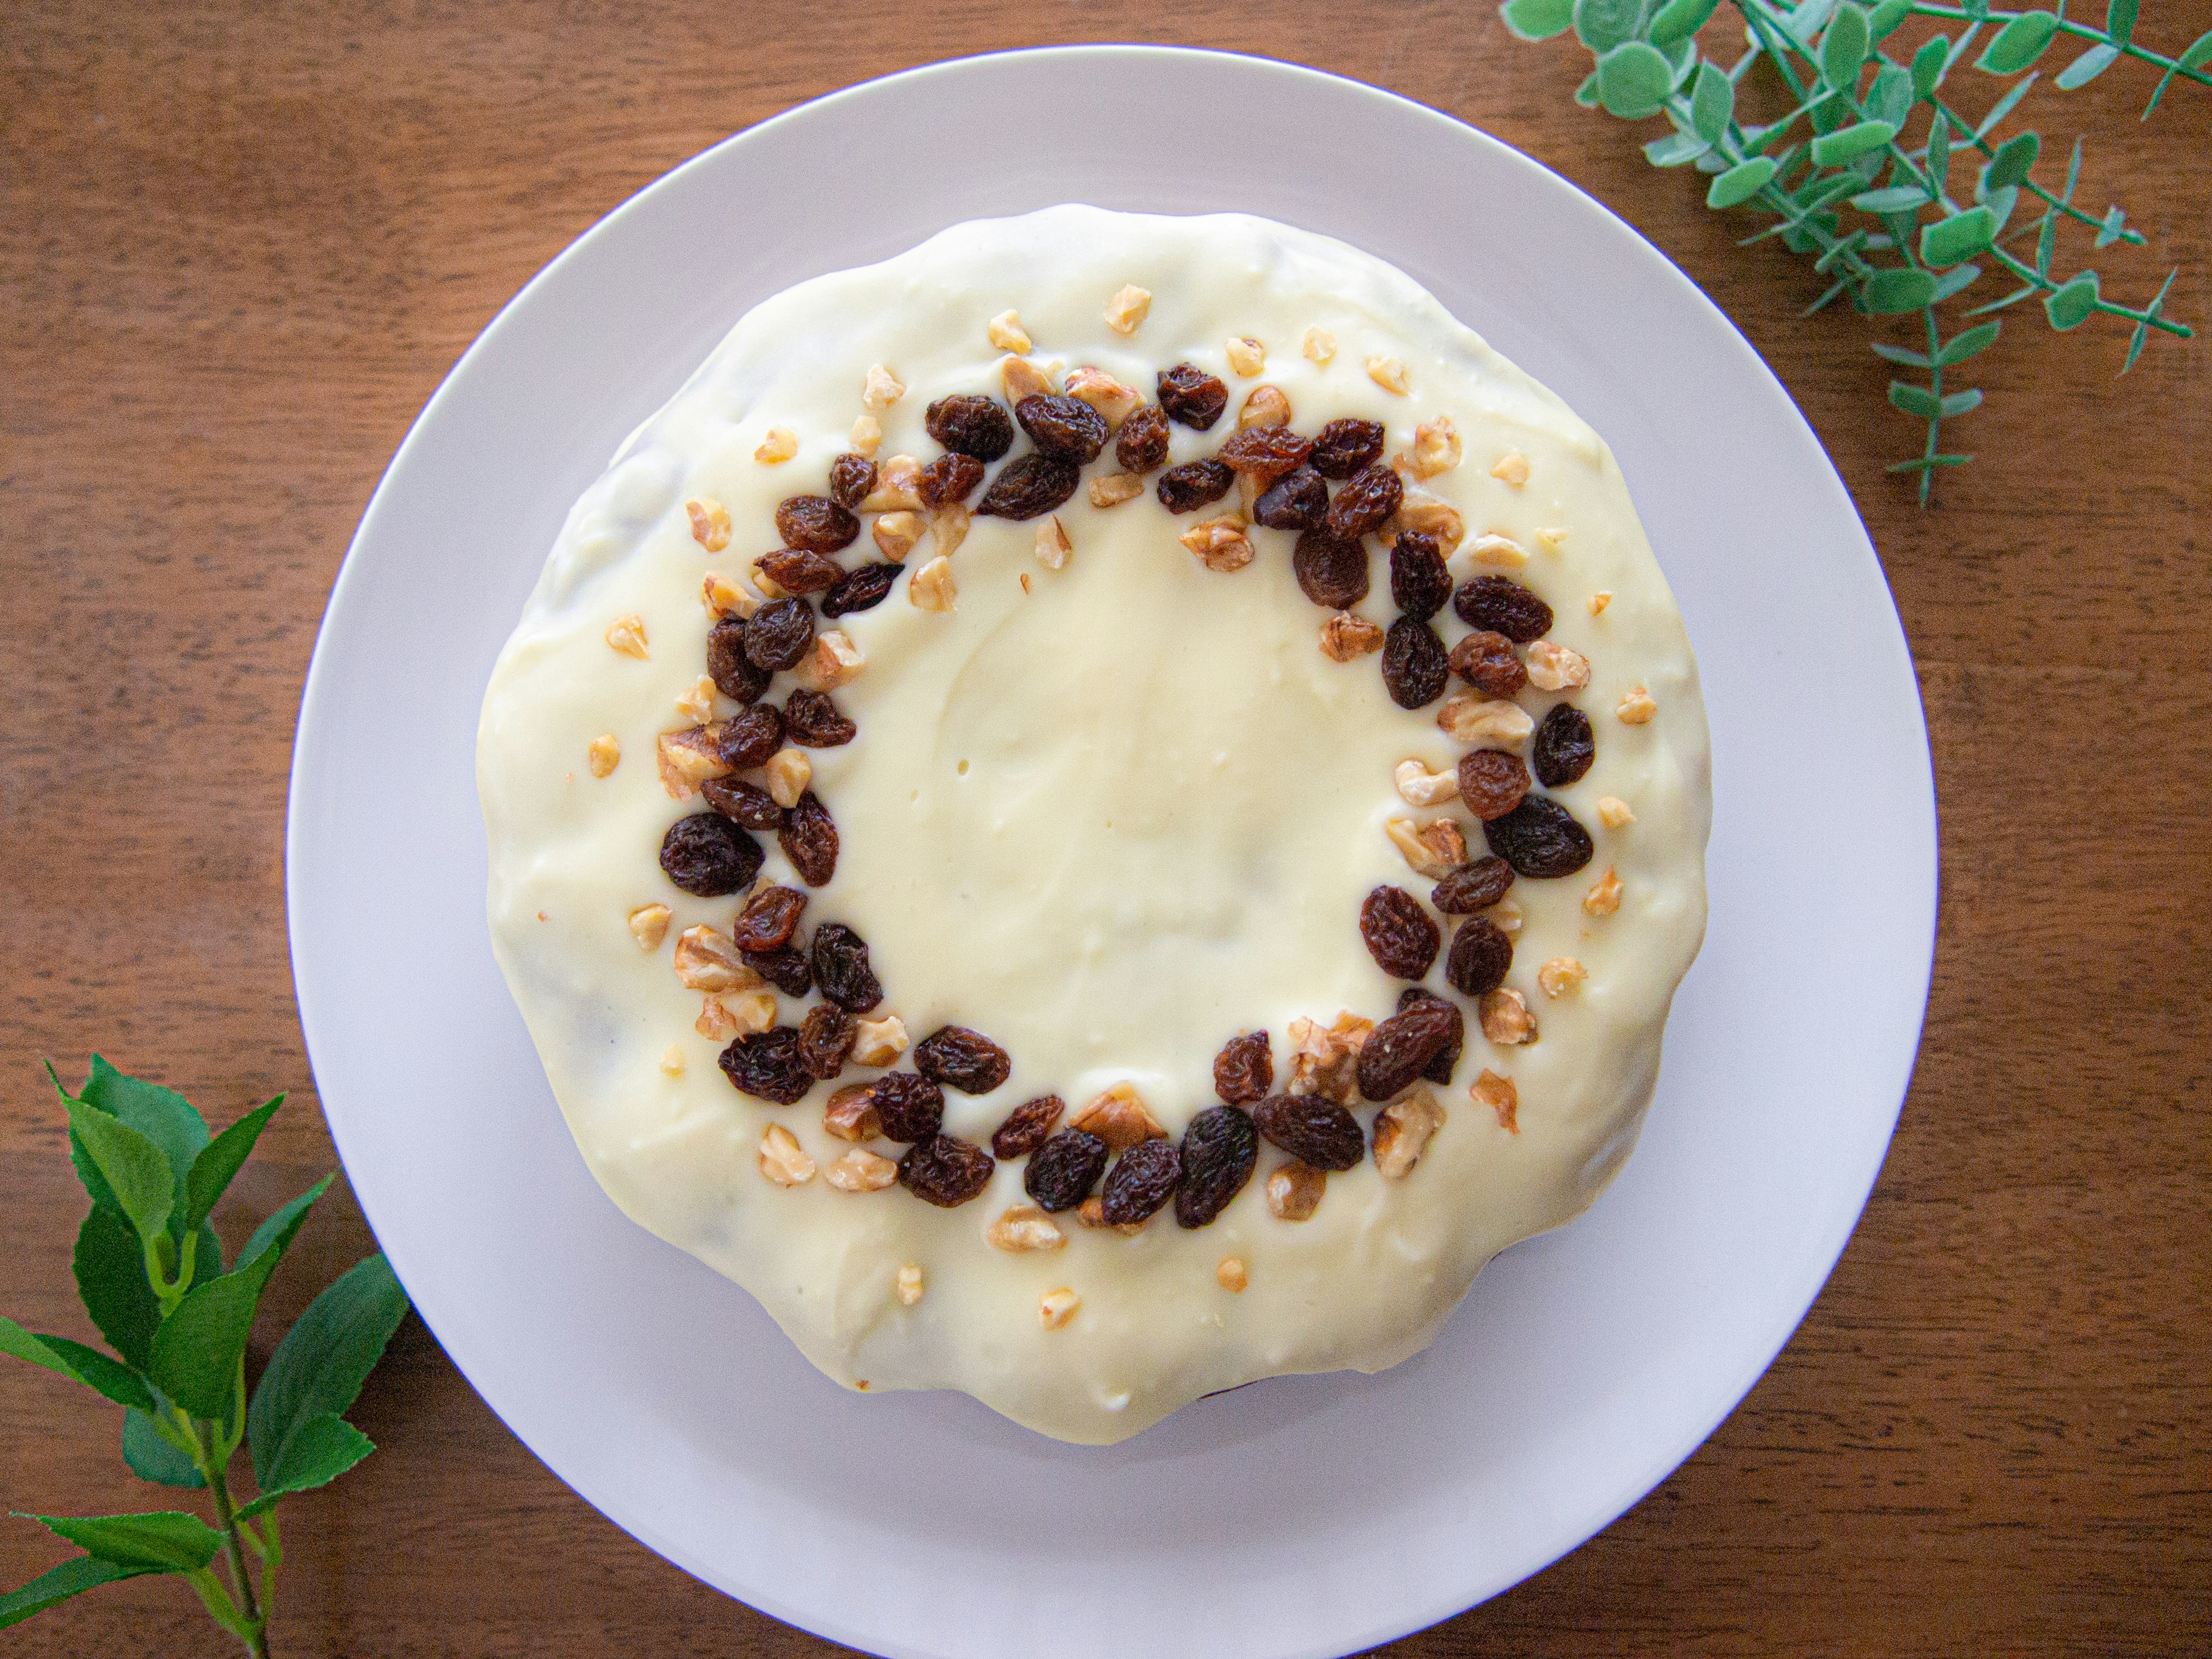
[{"x": 243, "y": 243}]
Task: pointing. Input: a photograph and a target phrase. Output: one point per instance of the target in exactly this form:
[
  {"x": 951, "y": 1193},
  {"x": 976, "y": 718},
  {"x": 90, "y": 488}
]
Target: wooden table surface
[{"x": 242, "y": 245}]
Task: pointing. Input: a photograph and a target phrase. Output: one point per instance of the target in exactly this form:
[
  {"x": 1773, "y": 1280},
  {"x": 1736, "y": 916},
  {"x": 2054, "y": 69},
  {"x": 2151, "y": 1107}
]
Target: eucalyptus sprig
[
  {"x": 1881, "y": 214},
  {"x": 150, "y": 1272}
]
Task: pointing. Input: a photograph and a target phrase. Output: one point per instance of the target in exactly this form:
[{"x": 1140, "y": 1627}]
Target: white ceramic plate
[{"x": 1313, "y": 1516}]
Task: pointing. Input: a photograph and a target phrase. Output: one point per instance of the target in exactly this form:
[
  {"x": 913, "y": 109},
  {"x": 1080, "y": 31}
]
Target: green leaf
[
  {"x": 2142, "y": 329},
  {"x": 1888, "y": 18},
  {"x": 1633, "y": 80},
  {"x": 1914, "y": 400},
  {"x": 1928, "y": 66},
  {"x": 78, "y": 1362},
  {"x": 319, "y": 1368},
  {"x": 2120, "y": 21},
  {"x": 165, "y": 1541},
  {"x": 1601, "y": 25},
  {"x": 2018, "y": 43},
  {"x": 2026, "y": 291},
  {"x": 1900, "y": 356},
  {"x": 152, "y": 1457},
  {"x": 318, "y": 1451},
  {"x": 1712, "y": 103},
  {"x": 2072, "y": 172},
  {"x": 1740, "y": 182},
  {"x": 73, "y": 1578},
  {"x": 1681, "y": 57},
  {"x": 1537, "y": 20},
  {"x": 111, "y": 1280},
  {"x": 1960, "y": 403},
  {"x": 134, "y": 1168},
  {"x": 1954, "y": 281},
  {"x": 1890, "y": 97},
  {"x": 163, "y": 1115},
  {"x": 1678, "y": 20},
  {"x": 2004, "y": 106},
  {"x": 1843, "y": 49},
  {"x": 1586, "y": 93},
  {"x": 1923, "y": 462},
  {"x": 1834, "y": 149},
  {"x": 210, "y": 1172},
  {"x": 2000, "y": 202},
  {"x": 198, "y": 1347},
  {"x": 1887, "y": 293},
  {"x": 2195, "y": 56},
  {"x": 1897, "y": 198},
  {"x": 2113, "y": 227},
  {"x": 2047, "y": 244},
  {"x": 1971, "y": 343},
  {"x": 1674, "y": 149},
  {"x": 2087, "y": 68},
  {"x": 1961, "y": 236},
  {"x": 2010, "y": 165},
  {"x": 1806, "y": 22},
  {"x": 2073, "y": 304}
]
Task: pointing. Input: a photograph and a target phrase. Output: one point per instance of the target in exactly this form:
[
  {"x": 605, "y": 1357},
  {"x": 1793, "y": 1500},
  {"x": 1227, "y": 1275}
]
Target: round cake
[{"x": 1104, "y": 808}]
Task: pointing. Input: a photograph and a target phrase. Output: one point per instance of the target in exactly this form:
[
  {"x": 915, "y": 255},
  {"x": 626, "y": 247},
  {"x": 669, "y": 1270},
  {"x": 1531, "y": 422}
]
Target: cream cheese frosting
[{"x": 1109, "y": 814}]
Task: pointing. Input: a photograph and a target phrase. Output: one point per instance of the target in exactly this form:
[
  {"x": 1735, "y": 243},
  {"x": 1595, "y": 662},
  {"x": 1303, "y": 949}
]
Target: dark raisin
[
  {"x": 1027, "y": 1126},
  {"x": 1416, "y": 667},
  {"x": 945, "y": 1171},
  {"x": 1540, "y": 839},
  {"x": 1332, "y": 572},
  {"x": 1491, "y": 782},
  {"x": 1504, "y": 606},
  {"x": 841, "y": 967},
  {"x": 1193, "y": 485},
  {"x": 785, "y": 968},
  {"x": 746, "y": 803},
  {"x": 1399, "y": 935},
  {"x": 1062, "y": 1172},
  {"x": 970, "y": 424},
  {"x": 1219, "y": 1150},
  {"x": 766, "y": 1065},
  {"x": 1365, "y": 502},
  {"x": 1266, "y": 452},
  {"x": 1312, "y": 1128},
  {"x": 1297, "y": 500},
  {"x": 1345, "y": 446},
  {"x": 1142, "y": 444},
  {"x": 815, "y": 523},
  {"x": 1244, "y": 1069},
  {"x": 736, "y": 675},
  {"x": 1481, "y": 954},
  {"x": 1564, "y": 746},
  {"x": 825, "y": 1041},
  {"x": 707, "y": 855},
  {"x": 1066, "y": 427},
  {"x": 1192, "y": 396},
  {"x": 1419, "y": 584},
  {"x": 769, "y": 919},
  {"x": 1399, "y": 1050},
  {"x": 1473, "y": 887},
  {"x": 751, "y": 736},
  {"x": 1029, "y": 486},
  {"x": 815, "y": 722},
  {"x": 851, "y": 477},
  {"x": 1142, "y": 1179},
  {"x": 1488, "y": 662},
  {"x": 780, "y": 634},
  {"x": 962, "y": 1059},
  {"x": 809, "y": 840},
  {"x": 912, "y": 1108},
  {"x": 950, "y": 478},
  {"x": 801, "y": 572},
  {"x": 861, "y": 590},
  {"x": 1447, "y": 1060}
]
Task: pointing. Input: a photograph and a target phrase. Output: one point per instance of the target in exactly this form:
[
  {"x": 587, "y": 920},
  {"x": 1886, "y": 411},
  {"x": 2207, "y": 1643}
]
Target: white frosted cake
[{"x": 1104, "y": 809}]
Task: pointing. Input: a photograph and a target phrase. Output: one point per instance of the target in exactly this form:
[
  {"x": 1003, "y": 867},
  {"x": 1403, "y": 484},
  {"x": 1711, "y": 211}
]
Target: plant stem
[
  {"x": 241, "y": 1577},
  {"x": 2066, "y": 26}
]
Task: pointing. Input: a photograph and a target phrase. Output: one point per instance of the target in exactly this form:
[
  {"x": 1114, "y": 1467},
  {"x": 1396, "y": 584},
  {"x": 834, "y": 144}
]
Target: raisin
[
  {"x": 809, "y": 840},
  {"x": 861, "y": 590},
  {"x": 841, "y": 967},
  {"x": 970, "y": 425},
  {"x": 1447, "y": 1060},
  {"x": 785, "y": 968},
  {"x": 912, "y": 1108},
  {"x": 1027, "y": 1126},
  {"x": 950, "y": 478},
  {"x": 947, "y": 1172},
  {"x": 1143, "y": 443},
  {"x": 1473, "y": 887},
  {"x": 815, "y": 722},
  {"x": 1312, "y": 1128},
  {"x": 769, "y": 919},
  {"x": 825, "y": 1041},
  {"x": 1345, "y": 446},
  {"x": 751, "y": 736},
  {"x": 1266, "y": 452},
  {"x": 1540, "y": 839},
  {"x": 1399, "y": 1050},
  {"x": 780, "y": 634},
  {"x": 707, "y": 855},
  {"x": 1504, "y": 606},
  {"x": 1488, "y": 662},
  {"x": 746, "y": 803},
  {"x": 1491, "y": 782},
  {"x": 1066, "y": 427},
  {"x": 766, "y": 1065},
  {"x": 801, "y": 573},
  {"x": 1062, "y": 1172},
  {"x": 851, "y": 478},
  {"x": 1366, "y": 499},
  {"x": 1029, "y": 486},
  {"x": 1190, "y": 395},
  {"x": 1399, "y": 935},
  {"x": 1244, "y": 1069},
  {"x": 816, "y": 524},
  {"x": 962, "y": 1059},
  {"x": 1416, "y": 667},
  {"x": 1479, "y": 956},
  {"x": 1297, "y": 500},
  {"x": 1219, "y": 1150},
  {"x": 1193, "y": 485},
  {"x": 1564, "y": 746},
  {"x": 1142, "y": 1179},
  {"x": 736, "y": 675},
  {"x": 1332, "y": 572},
  {"x": 1419, "y": 584}
]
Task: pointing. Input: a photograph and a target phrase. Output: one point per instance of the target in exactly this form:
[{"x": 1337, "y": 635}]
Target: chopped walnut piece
[
  {"x": 1325, "y": 1059},
  {"x": 782, "y": 1159},
  {"x": 1437, "y": 447},
  {"x": 626, "y": 635},
  {"x": 1092, "y": 1212},
  {"x": 881, "y": 388},
  {"x": 1319, "y": 344},
  {"x": 1056, "y": 1307},
  {"x": 1549, "y": 539},
  {"x": 1119, "y": 1117},
  {"x": 878, "y": 1041},
  {"x": 931, "y": 587},
  {"x": 1127, "y": 308},
  {"x": 1560, "y": 975},
  {"x": 1023, "y": 378},
  {"x": 1505, "y": 1017},
  {"x": 1471, "y": 718},
  {"x": 1434, "y": 849},
  {"x": 896, "y": 533},
  {"x": 862, "y": 1171},
  {"x": 1112, "y": 488},
  {"x": 1294, "y": 1189},
  {"x": 908, "y": 1286},
  {"x": 1219, "y": 543},
  {"x": 1505, "y": 916},
  {"x": 1501, "y": 551},
  {"x": 715, "y": 1021},
  {"x": 724, "y": 597},
  {"x": 777, "y": 445},
  {"x": 948, "y": 528},
  {"x": 750, "y": 1011},
  {"x": 1419, "y": 787},
  {"x": 788, "y": 772},
  {"x": 1603, "y": 898},
  {"x": 1248, "y": 494},
  {"x": 1403, "y": 1130},
  {"x": 1229, "y": 1273},
  {"x": 671, "y": 1061},
  {"x": 1512, "y": 467},
  {"x": 710, "y": 524},
  {"x": 707, "y": 961},
  {"x": 898, "y": 487},
  {"x": 648, "y": 925},
  {"x": 1006, "y": 332},
  {"x": 1347, "y": 634},
  {"x": 604, "y": 754},
  {"x": 1247, "y": 355},
  {"x": 762, "y": 581},
  {"x": 697, "y": 702},
  {"x": 688, "y": 758},
  {"x": 867, "y": 436},
  {"x": 1110, "y": 397},
  {"x": 1637, "y": 708},
  {"x": 1556, "y": 667},
  {"x": 1614, "y": 812},
  {"x": 1501, "y": 1097},
  {"x": 1599, "y": 600},
  {"x": 1388, "y": 372},
  {"x": 1024, "y": 1227},
  {"x": 1432, "y": 516},
  {"x": 851, "y": 1113},
  {"x": 1053, "y": 546},
  {"x": 833, "y": 662},
  {"x": 1268, "y": 405}
]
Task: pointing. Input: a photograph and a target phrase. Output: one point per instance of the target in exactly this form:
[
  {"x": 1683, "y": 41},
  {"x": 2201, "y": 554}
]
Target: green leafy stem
[
  {"x": 1911, "y": 243},
  {"x": 150, "y": 1272}
]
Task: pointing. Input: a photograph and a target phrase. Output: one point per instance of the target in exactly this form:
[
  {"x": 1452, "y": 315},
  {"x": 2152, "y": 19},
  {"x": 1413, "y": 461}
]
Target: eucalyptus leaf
[
  {"x": 1886, "y": 19},
  {"x": 1633, "y": 79},
  {"x": 1891, "y": 97},
  {"x": 1806, "y": 21},
  {"x": 2018, "y": 43},
  {"x": 57, "y": 1585},
  {"x": 1678, "y": 20},
  {"x": 2087, "y": 68},
  {"x": 1586, "y": 93},
  {"x": 1834, "y": 149},
  {"x": 1601, "y": 25},
  {"x": 1537, "y": 20},
  {"x": 2195, "y": 56},
  {"x": 152, "y": 1457},
  {"x": 1712, "y": 103},
  {"x": 1954, "y": 281},
  {"x": 2010, "y": 165},
  {"x": 2046, "y": 245},
  {"x": 1959, "y": 403},
  {"x": 1939, "y": 151},
  {"x": 1899, "y": 355},
  {"x": 198, "y": 1347},
  {"x": 1915, "y": 400},
  {"x": 110, "y": 1265},
  {"x": 1895, "y": 198},
  {"x": 320, "y": 1450},
  {"x": 2112, "y": 228},
  {"x": 1960, "y": 237},
  {"x": 1843, "y": 49},
  {"x": 1740, "y": 182},
  {"x": 2120, "y": 21},
  {"x": 2073, "y": 304},
  {"x": 319, "y": 1368},
  {"x": 165, "y": 1541},
  {"x": 1928, "y": 65},
  {"x": 210, "y": 1172},
  {"x": 1675, "y": 150},
  {"x": 1888, "y": 293},
  {"x": 2004, "y": 106},
  {"x": 78, "y": 1362},
  {"x": 2142, "y": 329}
]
